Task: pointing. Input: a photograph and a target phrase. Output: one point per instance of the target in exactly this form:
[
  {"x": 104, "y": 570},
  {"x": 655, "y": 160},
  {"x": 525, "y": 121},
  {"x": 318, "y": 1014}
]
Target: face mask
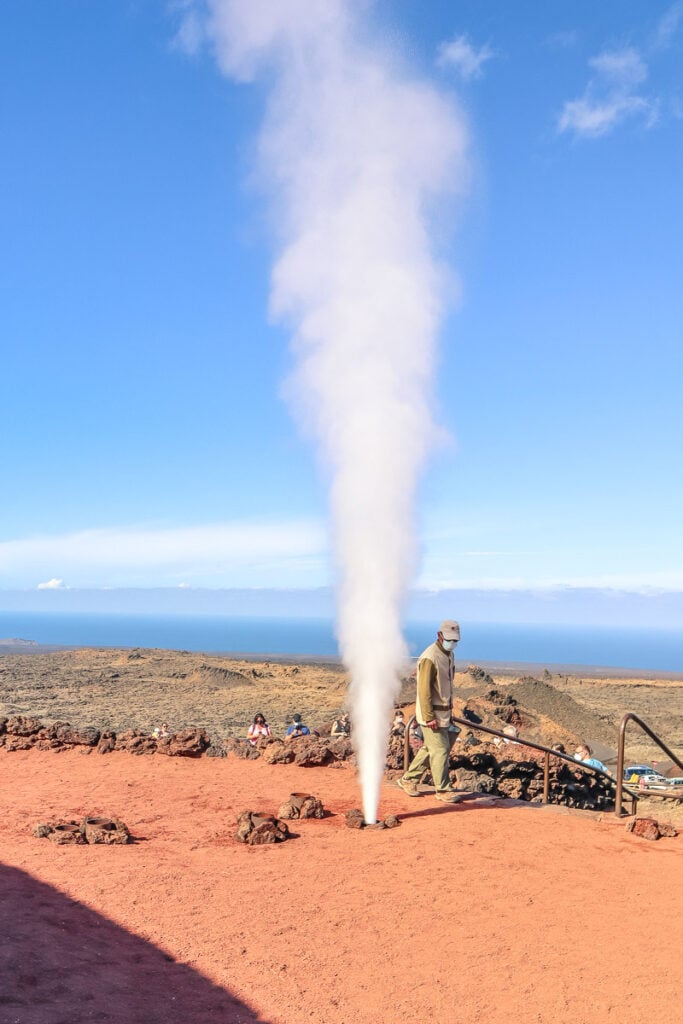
[{"x": 448, "y": 645}]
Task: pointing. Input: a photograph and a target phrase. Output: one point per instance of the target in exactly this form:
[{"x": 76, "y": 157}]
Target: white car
[{"x": 650, "y": 778}]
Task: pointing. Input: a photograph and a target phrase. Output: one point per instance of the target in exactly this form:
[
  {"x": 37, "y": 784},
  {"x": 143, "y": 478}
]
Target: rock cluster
[
  {"x": 508, "y": 770},
  {"x": 260, "y": 829},
  {"x": 648, "y": 828},
  {"x": 354, "y": 819},
  {"x": 301, "y": 805},
  {"x": 513, "y": 771},
  {"x": 93, "y": 830},
  {"x": 23, "y": 732},
  {"x": 516, "y": 772}
]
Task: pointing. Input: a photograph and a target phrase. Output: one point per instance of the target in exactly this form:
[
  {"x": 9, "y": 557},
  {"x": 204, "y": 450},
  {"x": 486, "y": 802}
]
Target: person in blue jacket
[
  {"x": 585, "y": 755},
  {"x": 297, "y": 728}
]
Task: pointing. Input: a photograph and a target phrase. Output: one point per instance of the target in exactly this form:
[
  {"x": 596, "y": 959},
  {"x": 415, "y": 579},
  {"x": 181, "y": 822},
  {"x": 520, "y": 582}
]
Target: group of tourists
[{"x": 259, "y": 727}]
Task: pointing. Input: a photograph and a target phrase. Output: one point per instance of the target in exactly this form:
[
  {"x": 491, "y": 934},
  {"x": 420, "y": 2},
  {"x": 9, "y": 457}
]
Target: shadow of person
[{"x": 61, "y": 961}]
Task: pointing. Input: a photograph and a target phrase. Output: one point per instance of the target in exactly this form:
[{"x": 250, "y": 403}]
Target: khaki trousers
[{"x": 434, "y": 754}]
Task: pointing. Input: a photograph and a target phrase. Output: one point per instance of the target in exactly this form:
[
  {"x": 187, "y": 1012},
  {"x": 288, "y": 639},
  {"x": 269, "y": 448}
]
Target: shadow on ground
[{"x": 61, "y": 961}]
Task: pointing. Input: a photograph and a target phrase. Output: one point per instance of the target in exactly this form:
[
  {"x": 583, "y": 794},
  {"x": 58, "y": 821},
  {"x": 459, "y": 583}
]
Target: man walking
[{"x": 433, "y": 710}]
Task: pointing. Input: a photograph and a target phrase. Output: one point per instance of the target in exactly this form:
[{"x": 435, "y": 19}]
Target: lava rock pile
[{"x": 92, "y": 831}]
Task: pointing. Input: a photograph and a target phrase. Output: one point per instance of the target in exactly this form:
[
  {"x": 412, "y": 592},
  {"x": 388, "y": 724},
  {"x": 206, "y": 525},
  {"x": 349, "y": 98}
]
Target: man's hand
[{"x": 433, "y": 725}]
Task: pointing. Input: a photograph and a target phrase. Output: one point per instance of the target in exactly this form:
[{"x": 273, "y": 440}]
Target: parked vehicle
[{"x": 636, "y": 772}]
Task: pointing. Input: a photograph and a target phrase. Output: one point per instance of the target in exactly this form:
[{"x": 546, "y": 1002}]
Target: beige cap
[{"x": 450, "y": 630}]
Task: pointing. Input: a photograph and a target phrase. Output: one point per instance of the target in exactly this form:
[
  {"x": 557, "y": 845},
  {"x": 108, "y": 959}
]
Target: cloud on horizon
[
  {"x": 644, "y": 583},
  {"x": 227, "y": 553},
  {"x": 291, "y": 554}
]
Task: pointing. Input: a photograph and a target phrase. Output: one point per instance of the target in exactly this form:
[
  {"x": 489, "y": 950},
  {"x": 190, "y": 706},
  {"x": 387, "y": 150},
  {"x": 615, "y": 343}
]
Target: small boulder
[
  {"x": 134, "y": 741},
  {"x": 66, "y": 733},
  {"x": 107, "y": 742},
  {"x": 301, "y": 805},
  {"x": 260, "y": 829},
  {"x": 354, "y": 818},
  {"x": 648, "y": 828},
  {"x": 311, "y": 752},
  {"x": 13, "y": 743},
  {"x": 105, "y": 831},
  {"x": 67, "y": 833},
  {"x": 185, "y": 743},
  {"x": 340, "y": 747},
  {"x": 217, "y": 751},
  {"x": 23, "y": 725},
  {"x": 242, "y": 748},
  {"x": 278, "y": 752}
]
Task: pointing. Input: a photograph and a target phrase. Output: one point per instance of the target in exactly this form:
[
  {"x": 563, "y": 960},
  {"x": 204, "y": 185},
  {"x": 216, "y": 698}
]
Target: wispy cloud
[
  {"x": 668, "y": 25},
  {"x": 612, "y": 95},
  {"x": 190, "y": 35},
  {"x": 234, "y": 553},
  {"x": 638, "y": 582},
  {"x": 464, "y": 58},
  {"x": 624, "y": 68},
  {"x": 562, "y": 40}
]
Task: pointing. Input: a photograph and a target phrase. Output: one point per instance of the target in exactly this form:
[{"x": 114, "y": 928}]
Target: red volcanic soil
[{"x": 482, "y": 912}]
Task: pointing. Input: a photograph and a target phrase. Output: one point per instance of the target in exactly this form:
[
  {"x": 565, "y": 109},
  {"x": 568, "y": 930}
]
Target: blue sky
[{"x": 144, "y": 434}]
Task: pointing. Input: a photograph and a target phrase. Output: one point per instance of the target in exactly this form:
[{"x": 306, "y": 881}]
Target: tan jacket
[{"x": 434, "y": 686}]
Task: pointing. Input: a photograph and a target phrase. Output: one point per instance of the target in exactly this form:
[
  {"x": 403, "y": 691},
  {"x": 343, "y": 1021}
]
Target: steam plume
[{"x": 355, "y": 154}]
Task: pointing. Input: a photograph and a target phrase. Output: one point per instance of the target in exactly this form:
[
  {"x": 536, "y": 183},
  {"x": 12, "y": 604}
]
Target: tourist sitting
[
  {"x": 297, "y": 728},
  {"x": 341, "y": 726},
  {"x": 160, "y": 732},
  {"x": 415, "y": 737},
  {"x": 510, "y": 732},
  {"x": 584, "y": 754},
  {"x": 398, "y": 726},
  {"x": 259, "y": 727}
]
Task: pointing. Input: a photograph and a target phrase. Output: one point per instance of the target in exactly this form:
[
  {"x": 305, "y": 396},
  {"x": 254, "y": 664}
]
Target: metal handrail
[
  {"x": 630, "y": 716},
  {"x": 548, "y": 751}
]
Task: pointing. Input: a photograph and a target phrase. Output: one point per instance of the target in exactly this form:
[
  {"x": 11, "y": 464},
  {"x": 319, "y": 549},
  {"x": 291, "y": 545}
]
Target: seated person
[
  {"x": 509, "y": 731},
  {"x": 398, "y": 726},
  {"x": 160, "y": 732},
  {"x": 341, "y": 726},
  {"x": 585, "y": 754},
  {"x": 415, "y": 737},
  {"x": 259, "y": 727},
  {"x": 297, "y": 728}
]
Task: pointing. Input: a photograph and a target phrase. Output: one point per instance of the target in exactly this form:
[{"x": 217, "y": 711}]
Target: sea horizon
[{"x": 646, "y": 649}]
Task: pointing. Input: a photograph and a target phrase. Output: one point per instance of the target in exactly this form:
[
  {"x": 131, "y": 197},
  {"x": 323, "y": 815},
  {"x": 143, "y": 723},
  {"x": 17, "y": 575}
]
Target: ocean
[{"x": 647, "y": 649}]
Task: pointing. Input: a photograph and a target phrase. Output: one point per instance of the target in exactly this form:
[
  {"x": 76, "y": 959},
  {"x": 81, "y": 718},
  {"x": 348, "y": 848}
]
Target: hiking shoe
[
  {"x": 447, "y": 796},
  {"x": 408, "y": 787}
]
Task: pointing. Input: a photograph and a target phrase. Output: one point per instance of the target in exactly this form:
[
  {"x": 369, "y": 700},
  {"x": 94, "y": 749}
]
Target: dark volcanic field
[{"x": 123, "y": 689}]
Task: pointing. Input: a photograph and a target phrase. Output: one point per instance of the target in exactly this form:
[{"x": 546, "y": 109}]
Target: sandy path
[{"x": 536, "y": 916}]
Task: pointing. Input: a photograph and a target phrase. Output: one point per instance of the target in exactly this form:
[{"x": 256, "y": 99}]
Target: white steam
[{"x": 355, "y": 154}]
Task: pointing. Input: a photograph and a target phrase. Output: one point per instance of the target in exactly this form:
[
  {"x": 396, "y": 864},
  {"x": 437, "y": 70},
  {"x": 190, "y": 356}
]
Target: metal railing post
[
  {"x": 545, "y": 750},
  {"x": 631, "y": 717}
]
